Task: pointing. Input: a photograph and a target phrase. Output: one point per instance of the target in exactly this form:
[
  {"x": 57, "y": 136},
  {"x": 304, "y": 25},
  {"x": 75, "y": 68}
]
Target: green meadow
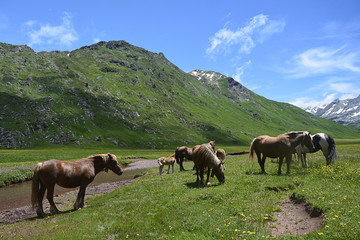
[{"x": 172, "y": 206}]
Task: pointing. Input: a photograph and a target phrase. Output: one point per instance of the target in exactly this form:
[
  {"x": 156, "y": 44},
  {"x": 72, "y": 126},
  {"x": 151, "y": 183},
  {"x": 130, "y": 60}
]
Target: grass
[
  {"x": 173, "y": 206},
  {"x": 18, "y": 165}
]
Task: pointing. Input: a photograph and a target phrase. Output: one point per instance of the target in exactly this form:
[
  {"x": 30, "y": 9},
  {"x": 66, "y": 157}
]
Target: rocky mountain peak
[
  {"x": 343, "y": 111},
  {"x": 217, "y": 81}
]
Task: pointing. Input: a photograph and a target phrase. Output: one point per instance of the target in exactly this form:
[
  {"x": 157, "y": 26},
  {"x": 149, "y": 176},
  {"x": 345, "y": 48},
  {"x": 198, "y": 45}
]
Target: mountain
[
  {"x": 117, "y": 94},
  {"x": 346, "y": 111}
]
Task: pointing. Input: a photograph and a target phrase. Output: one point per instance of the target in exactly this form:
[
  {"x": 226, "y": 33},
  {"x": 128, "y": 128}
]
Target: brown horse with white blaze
[
  {"x": 280, "y": 147},
  {"x": 68, "y": 175}
]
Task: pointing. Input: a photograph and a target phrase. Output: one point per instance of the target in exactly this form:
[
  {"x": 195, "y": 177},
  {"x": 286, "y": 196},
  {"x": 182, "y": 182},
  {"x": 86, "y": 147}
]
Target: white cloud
[
  {"x": 305, "y": 102},
  {"x": 96, "y": 40},
  {"x": 240, "y": 71},
  {"x": 244, "y": 39},
  {"x": 63, "y": 34},
  {"x": 327, "y": 91},
  {"x": 324, "y": 61}
]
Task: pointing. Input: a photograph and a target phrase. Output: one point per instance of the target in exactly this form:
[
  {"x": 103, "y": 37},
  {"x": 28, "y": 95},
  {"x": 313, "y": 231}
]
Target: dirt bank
[{"x": 66, "y": 201}]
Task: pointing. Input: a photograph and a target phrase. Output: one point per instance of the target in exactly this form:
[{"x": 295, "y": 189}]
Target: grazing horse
[
  {"x": 322, "y": 142},
  {"x": 278, "y": 147},
  {"x": 203, "y": 157},
  {"x": 186, "y": 152},
  {"x": 68, "y": 175},
  {"x": 169, "y": 161}
]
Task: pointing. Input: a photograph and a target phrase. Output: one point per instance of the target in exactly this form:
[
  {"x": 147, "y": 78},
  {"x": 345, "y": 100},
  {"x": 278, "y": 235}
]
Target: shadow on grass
[{"x": 49, "y": 215}]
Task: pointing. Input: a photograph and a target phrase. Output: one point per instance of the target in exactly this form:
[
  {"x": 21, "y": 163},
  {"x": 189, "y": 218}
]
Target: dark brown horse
[
  {"x": 68, "y": 175},
  {"x": 280, "y": 147},
  {"x": 204, "y": 157},
  {"x": 186, "y": 152}
]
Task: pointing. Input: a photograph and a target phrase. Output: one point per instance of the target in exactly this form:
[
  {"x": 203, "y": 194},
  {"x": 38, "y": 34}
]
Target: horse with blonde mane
[
  {"x": 280, "y": 147},
  {"x": 68, "y": 175},
  {"x": 186, "y": 152},
  {"x": 204, "y": 157},
  {"x": 168, "y": 161}
]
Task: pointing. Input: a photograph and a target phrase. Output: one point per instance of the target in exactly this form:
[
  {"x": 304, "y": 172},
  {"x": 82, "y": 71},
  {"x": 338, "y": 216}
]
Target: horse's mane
[
  {"x": 104, "y": 157},
  {"x": 206, "y": 152},
  {"x": 294, "y": 133}
]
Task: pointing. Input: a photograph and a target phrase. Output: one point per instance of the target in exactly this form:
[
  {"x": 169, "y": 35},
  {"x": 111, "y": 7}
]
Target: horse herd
[{"x": 82, "y": 172}]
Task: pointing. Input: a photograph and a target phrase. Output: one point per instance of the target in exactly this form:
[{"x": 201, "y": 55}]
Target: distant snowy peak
[
  {"x": 343, "y": 111},
  {"x": 223, "y": 84},
  {"x": 209, "y": 75}
]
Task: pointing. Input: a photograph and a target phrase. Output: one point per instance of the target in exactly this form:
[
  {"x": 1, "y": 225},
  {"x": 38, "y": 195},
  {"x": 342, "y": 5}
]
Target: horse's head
[
  {"x": 220, "y": 172},
  {"x": 307, "y": 141},
  {"x": 113, "y": 164}
]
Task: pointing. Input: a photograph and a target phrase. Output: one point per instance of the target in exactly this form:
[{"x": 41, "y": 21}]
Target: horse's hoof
[{"x": 41, "y": 214}]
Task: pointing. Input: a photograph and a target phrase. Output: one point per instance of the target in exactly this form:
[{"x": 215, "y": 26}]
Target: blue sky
[{"x": 296, "y": 51}]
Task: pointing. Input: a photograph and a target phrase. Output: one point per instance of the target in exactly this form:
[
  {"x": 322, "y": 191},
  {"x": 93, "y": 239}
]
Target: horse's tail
[
  {"x": 177, "y": 157},
  {"x": 35, "y": 186},
  {"x": 332, "y": 150},
  {"x": 251, "y": 151}
]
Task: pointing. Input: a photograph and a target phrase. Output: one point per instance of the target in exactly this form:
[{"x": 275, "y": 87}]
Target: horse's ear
[{"x": 109, "y": 156}]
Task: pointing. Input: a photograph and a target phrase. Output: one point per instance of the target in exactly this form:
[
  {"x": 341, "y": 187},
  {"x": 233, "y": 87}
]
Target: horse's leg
[
  {"x": 262, "y": 164},
  {"x": 201, "y": 176},
  {"x": 258, "y": 154},
  {"x": 160, "y": 169},
  {"x": 172, "y": 166},
  {"x": 197, "y": 174},
  {"x": 50, "y": 198},
  {"x": 208, "y": 176},
  {"x": 305, "y": 161},
  {"x": 168, "y": 170},
  {"x": 288, "y": 162},
  {"x": 40, "y": 211},
  {"x": 181, "y": 164},
  {"x": 79, "y": 203},
  {"x": 280, "y": 163}
]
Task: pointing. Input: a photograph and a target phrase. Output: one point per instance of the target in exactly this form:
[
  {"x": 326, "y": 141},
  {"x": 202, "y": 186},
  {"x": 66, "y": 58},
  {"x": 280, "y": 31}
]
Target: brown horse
[
  {"x": 68, "y": 175},
  {"x": 169, "y": 161},
  {"x": 204, "y": 157},
  {"x": 180, "y": 154},
  {"x": 279, "y": 147},
  {"x": 186, "y": 152},
  {"x": 220, "y": 153}
]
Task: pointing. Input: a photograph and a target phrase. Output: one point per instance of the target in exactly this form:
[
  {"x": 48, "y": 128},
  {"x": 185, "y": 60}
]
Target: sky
[{"x": 302, "y": 52}]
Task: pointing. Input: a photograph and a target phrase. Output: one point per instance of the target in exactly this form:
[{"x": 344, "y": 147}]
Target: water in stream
[{"x": 18, "y": 195}]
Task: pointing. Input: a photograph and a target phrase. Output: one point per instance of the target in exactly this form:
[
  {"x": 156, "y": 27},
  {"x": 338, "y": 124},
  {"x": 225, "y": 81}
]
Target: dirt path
[
  {"x": 66, "y": 201},
  {"x": 295, "y": 219}
]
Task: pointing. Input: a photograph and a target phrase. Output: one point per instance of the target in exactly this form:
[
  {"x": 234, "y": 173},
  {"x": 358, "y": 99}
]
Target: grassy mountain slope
[{"x": 116, "y": 93}]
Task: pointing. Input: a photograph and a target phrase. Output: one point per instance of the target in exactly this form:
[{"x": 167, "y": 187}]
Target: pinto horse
[
  {"x": 186, "y": 152},
  {"x": 280, "y": 147},
  {"x": 204, "y": 157},
  {"x": 169, "y": 161},
  {"x": 68, "y": 175},
  {"x": 322, "y": 142}
]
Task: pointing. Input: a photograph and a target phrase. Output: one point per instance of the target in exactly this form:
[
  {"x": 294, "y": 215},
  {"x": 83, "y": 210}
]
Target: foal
[{"x": 169, "y": 161}]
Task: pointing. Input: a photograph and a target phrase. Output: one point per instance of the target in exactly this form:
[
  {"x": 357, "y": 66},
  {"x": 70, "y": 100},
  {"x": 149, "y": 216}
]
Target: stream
[{"x": 18, "y": 195}]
